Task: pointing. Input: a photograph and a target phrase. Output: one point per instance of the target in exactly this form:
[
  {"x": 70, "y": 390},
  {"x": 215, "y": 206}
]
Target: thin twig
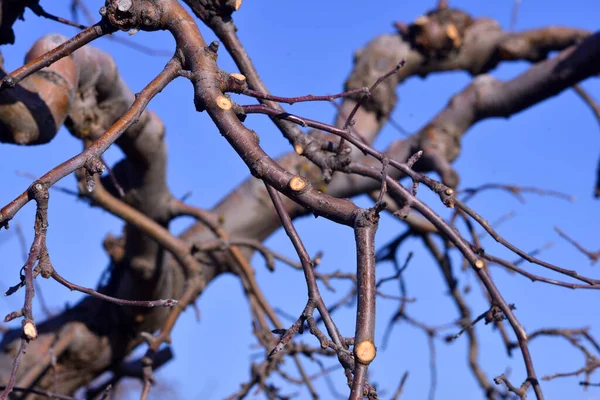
[
  {"x": 121, "y": 302},
  {"x": 40, "y": 12},
  {"x": 592, "y": 255},
  {"x": 300, "y": 99},
  {"x": 400, "y": 388},
  {"x": 350, "y": 120},
  {"x": 246, "y": 271}
]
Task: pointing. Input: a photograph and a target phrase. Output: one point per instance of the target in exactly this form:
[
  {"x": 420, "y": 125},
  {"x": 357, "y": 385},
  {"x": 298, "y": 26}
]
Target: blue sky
[{"x": 307, "y": 47}]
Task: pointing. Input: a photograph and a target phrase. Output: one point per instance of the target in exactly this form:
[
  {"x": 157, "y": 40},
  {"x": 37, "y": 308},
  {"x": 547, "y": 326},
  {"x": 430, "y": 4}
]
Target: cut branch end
[
  {"x": 297, "y": 183},
  {"x": 30, "y": 331},
  {"x": 224, "y": 103},
  {"x": 365, "y": 352}
]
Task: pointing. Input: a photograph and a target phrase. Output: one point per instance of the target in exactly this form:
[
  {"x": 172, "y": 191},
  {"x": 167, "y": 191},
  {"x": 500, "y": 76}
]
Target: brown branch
[
  {"x": 38, "y": 252},
  {"x": 364, "y": 339},
  {"x": 217, "y": 16},
  {"x": 314, "y": 296},
  {"x": 65, "y": 49},
  {"x": 178, "y": 248},
  {"x": 170, "y": 72}
]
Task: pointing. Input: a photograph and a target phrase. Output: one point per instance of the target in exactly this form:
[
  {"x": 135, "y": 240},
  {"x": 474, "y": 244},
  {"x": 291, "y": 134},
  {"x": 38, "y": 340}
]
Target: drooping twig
[
  {"x": 595, "y": 107},
  {"x": 40, "y": 12},
  {"x": 519, "y": 391},
  {"x": 579, "y": 339},
  {"x": 515, "y": 190},
  {"x": 589, "y": 100},
  {"x": 514, "y": 14},
  {"x": 400, "y": 388},
  {"x": 350, "y": 119},
  {"x": 494, "y": 314},
  {"x": 485, "y": 225},
  {"x": 592, "y": 255},
  {"x": 398, "y": 127},
  {"x": 110, "y": 299}
]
